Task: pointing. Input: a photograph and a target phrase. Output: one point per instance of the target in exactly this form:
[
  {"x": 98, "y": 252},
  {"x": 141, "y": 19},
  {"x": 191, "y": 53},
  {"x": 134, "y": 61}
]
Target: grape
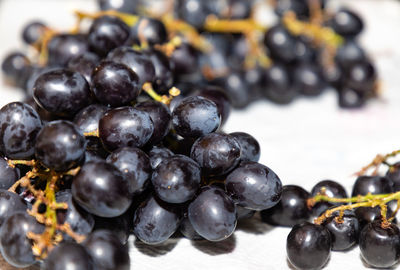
[
  {"x": 68, "y": 256},
  {"x": 101, "y": 189},
  {"x": 308, "y": 246},
  {"x": 308, "y": 80},
  {"x": 237, "y": 89},
  {"x": 134, "y": 164},
  {"x": 380, "y": 245},
  {"x": 361, "y": 76},
  {"x": 217, "y": 95},
  {"x": 213, "y": 214},
  {"x": 254, "y": 186},
  {"x": 8, "y": 175},
  {"x": 20, "y": 124},
  {"x": 249, "y": 146},
  {"x": 33, "y": 32},
  {"x": 188, "y": 231},
  {"x": 291, "y": 210},
  {"x": 157, "y": 154},
  {"x": 14, "y": 65},
  {"x": 347, "y": 23},
  {"x": 121, "y": 226},
  {"x": 184, "y": 59},
  {"x": 372, "y": 184},
  {"x": 304, "y": 52},
  {"x": 60, "y": 146},
  {"x": 193, "y": 12},
  {"x": 349, "y": 53},
  {"x": 87, "y": 119},
  {"x": 164, "y": 78},
  {"x": 62, "y": 92},
  {"x": 155, "y": 221},
  {"x": 280, "y": 44},
  {"x": 15, "y": 247},
  {"x": 216, "y": 153},
  {"x": 244, "y": 213},
  {"x": 279, "y": 84},
  {"x": 366, "y": 215},
  {"x": 10, "y": 203},
  {"x": 107, "y": 251},
  {"x": 126, "y": 6},
  {"x": 115, "y": 84},
  {"x": 125, "y": 126},
  {"x": 176, "y": 179},
  {"x": 299, "y": 7},
  {"x": 331, "y": 189},
  {"x": 107, "y": 33},
  {"x": 351, "y": 98},
  {"x": 195, "y": 117},
  {"x": 394, "y": 175},
  {"x": 149, "y": 31},
  {"x": 84, "y": 64},
  {"x": 64, "y": 47}
]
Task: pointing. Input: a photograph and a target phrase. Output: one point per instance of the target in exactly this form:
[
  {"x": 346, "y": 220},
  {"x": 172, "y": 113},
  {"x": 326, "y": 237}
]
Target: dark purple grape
[
  {"x": 64, "y": 47},
  {"x": 254, "y": 186},
  {"x": 60, "y": 146},
  {"x": 107, "y": 33},
  {"x": 307, "y": 79},
  {"x": 101, "y": 189},
  {"x": 216, "y": 153},
  {"x": 20, "y": 124},
  {"x": 164, "y": 78},
  {"x": 80, "y": 221},
  {"x": 125, "y": 6},
  {"x": 278, "y": 84},
  {"x": 176, "y": 179},
  {"x": 15, "y": 247},
  {"x": 393, "y": 174},
  {"x": 349, "y": 53},
  {"x": 291, "y": 210},
  {"x": 237, "y": 89},
  {"x": 68, "y": 256},
  {"x": 62, "y": 92},
  {"x": 149, "y": 31},
  {"x": 134, "y": 164},
  {"x": 373, "y": 185},
  {"x": 155, "y": 221},
  {"x": 87, "y": 119},
  {"x": 125, "y": 126},
  {"x": 218, "y": 96},
  {"x": 331, "y": 189},
  {"x": 84, "y": 64},
  {"x": 157, "y": 154},
  {"x": 33, "y": 32},
  {"x": 244, "y": 213},
  {"x": 280, "y": 44},
  {"x": 195, "y": 117},
  {"x": 193, "y": 12},
  {"x": 380, "y": 246},
  {"x": 188, "y": 231},
  {"x": 107, "y": 251},
  {"x": 161, "y": 117},
  {"x": 350, "y": 98},
  {"x": 115, "y": 84},
  {"x": 304, "y": 51},
  {"x": 346, "y": 23},
  {"x": 366, "y": 215},
  {"x": 13, "y": 66},
  {"x": 213, "y": 214},
  {"x": 10, "y": 203},
  {"x": 361, "y": 76},
  {"x": 8, "y": 175},
  {"x": 121, "y": 226},
  {"x": 308, "y": 246},
  {"x": 249, "y": 146},
  {"x": 300, "y": 8},
  {"x": 344, "y": 232},
  {"x": 184, "y": 60},
  {"x": 138, "y": 61}
]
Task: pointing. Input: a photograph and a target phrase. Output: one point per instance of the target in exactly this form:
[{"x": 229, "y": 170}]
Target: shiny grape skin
[
  {"x": 349, "y": 53},
  {"x": 195, "y": 116},
  {"x": 164, "y": 78},
  {"x": 373, "y": 185},
  {"x": 155, "y": 221},
  {"x": 62, "y": 48},
  {"x": 361, "y": 76},
  {"x": 13, "y": 65},
  {"x": 8, "y": 175},
  {"x": 351, "y": 98},
  {"x": 33, "y": 31},
  {"x": 366, "y": 215},
  {"x": 107, "y": 33},
  {"x": 20, "y": 125},
  {"x": 216, "y": 153},
  {"x": 291, "y": 210},
  {"x": 280, "y": 44},
  {"x": 346, "y": 23},
  {"x": 68, "y": 256},
  {"x": 307, "y": 79},
  {"x": 101, "y": 189},
  {"x": 10, "y": 203},
  {"x": 254, "y": 186},
  {"x": 184, "y": 60},
  {"x": 134, "y": 164},
  {"x": 80, "y": 221},
  {"x": 136, "y": 60},
  {"x": 344, "y": 234},
  {"x": 157, "y": 154},
  {"x": 60, "y": 146},
  {"x": 393, "y": 174},
  {"x": 220, "y": 98},
  {"x": 332, "y": 189},
  {"x": 193, "y": 12},
  {"x": 114, "y": 84},
  {"x": 249, "y": 146},
  {"x": 62, "y": 92},
  {"x": 125, "y": 126},
  {"x": 87, "y": 119},
  {"x": 125, "y": 6},
  {"x": 380, "y": 247},
  {"x": 308, "y": 246},
  {"x": 84, "y": 64},
  {"x": 149, "y": 31},
  {"x": 176, "y": 179},
  {"x": 213, "y": 214},
  {"x": 237, "y": 89},
  {"x": 15, "y": 247},
  {"x": 161, "y": 117},
  {"x": 107, "y": 251}
]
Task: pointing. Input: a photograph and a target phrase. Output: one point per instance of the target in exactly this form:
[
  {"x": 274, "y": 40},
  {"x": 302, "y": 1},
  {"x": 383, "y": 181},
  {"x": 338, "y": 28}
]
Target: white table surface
[{"x": 303, "y": 143}]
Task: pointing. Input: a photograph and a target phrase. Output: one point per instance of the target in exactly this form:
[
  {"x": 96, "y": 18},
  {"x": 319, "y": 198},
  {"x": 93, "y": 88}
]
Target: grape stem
[
  {"x": 377, "y": 162},
  {"x": 173, "y": 92}
]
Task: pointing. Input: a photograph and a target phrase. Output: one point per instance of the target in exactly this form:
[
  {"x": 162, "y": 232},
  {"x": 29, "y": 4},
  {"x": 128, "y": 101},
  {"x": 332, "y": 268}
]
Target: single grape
[
  {"x": 393, "y": 174},
  {"x": 279, "y": 84},
  {"x": 20, "y": 125},
  {"x": 188, "y": 231},
  {"x": 68, "y": 256},
  {"x": 254, "y": 186},
  {"x": 281, "y": 45},
  {"x": 361, "y": 76},
  {"x": 60, "y": 146},
  {"x": 350, "y": 98},
  {"x": 63, "y": 47},
  {"x": 329, "y": 188},
  {"x": 10, "y": 203},
  {"x": 176, "y": 179},
  {"x": 87, "y": 119},
  {"x": 84, "y": 64},
  {"x": 8, "y": 175},
  {"x": 193, "y": 12},
  {"x": 366, "y": 215},
  {"x": 121, "y": 226},
  {"x": 213, "y": 214},
  {"x": 13, "y": 66},
  {"x": 249, "y": 146},
  {"x": 307, "y": 79},
  {"x": 33, "y": 32},
  {"x": 236, "y": 88},
  {"x": 347, "y": 23},
  {"x": 164, "y": 78},
  {"x": 184, "y": 60},
  {"x": 308, "y": 246},
  {"x": 220, "y": 98},
  {"x": 125, "y": 126},
  {"x": 149, "y": 31},
  {"x": 349, "y": 53},
  {"x": 157, "y": 154},
  {"x": 372, "y": 184},
  {"x": 101, "y": 189}
]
